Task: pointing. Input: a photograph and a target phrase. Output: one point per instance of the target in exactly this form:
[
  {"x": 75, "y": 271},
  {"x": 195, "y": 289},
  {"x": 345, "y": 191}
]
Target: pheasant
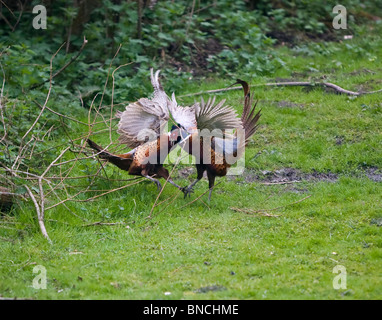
[
  {"x": 216, "y": 150},
  {"x": 141, "y": 127}
]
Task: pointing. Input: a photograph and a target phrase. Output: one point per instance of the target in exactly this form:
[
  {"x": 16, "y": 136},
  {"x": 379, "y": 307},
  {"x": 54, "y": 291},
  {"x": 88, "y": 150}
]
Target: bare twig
[
  {"x": 100, "y": 223},
  {"x": 112, "y": 97},
  {"x": 40, "y": 217},
  {"x": 20, "y": 14},
  {"x": 281, "y": 182},
  {"x": 47, "y": 96},
  {"x": 187, "y": 204},
  {"x": 156, "y": 200},
  {"x": 60, "y": 114}
]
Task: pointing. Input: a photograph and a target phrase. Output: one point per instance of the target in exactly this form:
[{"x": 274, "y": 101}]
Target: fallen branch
[
  {"x": 281, "y": 182},
  {"x": 289, "y": 84},
  {"x": 39, "y": 215},
  {"x": 100, "y": 223}
]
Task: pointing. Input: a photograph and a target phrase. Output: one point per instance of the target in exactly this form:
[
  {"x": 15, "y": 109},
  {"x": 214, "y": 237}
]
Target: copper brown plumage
[
  {"x": 217, "y": 146},
  {"x": 136, "y": 162},
  {"x": 145, "y": 120}
]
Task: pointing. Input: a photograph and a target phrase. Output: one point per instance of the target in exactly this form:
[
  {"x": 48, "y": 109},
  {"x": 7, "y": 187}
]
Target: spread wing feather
[
  {"x": 216, "y": 116},
  {"x": 143, "y": 120},
  {"x": 185, "y": 116}
]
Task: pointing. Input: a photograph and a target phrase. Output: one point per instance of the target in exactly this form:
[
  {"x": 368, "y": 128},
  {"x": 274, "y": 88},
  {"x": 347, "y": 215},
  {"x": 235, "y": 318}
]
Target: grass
[{"x": 209, "y": 251}]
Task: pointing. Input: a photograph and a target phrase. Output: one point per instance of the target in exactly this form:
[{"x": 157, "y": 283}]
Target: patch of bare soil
[
  {"x": 374, "y": 174},
  {"x": 285, "y": 175},
  {"x": 288, "y": 175}
]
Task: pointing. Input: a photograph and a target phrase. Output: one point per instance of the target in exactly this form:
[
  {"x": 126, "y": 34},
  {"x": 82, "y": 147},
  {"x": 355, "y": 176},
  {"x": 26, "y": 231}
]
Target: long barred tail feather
[
  {"x": 121, "y": 161},
  {"x": 249, "y": 118}
]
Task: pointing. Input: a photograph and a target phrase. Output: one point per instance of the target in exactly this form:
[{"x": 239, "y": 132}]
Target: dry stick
[
  {"x": 107, "y": 79},
  {"x": 100, "y": 223},
  {"x": 64, "y": 144},
  {"x": 281, "y": 84},
  {"x": 5, "y": 5},
  {"x": 72, "y": 197},
  {"x": 188, "y": 25},
  {"x": 69, "y": 171},
  {"x": 174, "y": 197},
  {"x": 65, "y": 66},
  {"x": 3, "y": 85},
  {"x": 39, "y": 209},
  {"x": 76, "y": 159},
  {"x": 84, "y": 177},
  {"x": 89, "y": 199},
  {"x": 1, "y": 104},
  {"x": 156, "y": 200},
  {"x": 199, "y": 196},
  {"x": 40, "y": 220},
  {"x": 23, "y": 150},
  {"x": 64, "y": 204},
  {"x": 112, "y": 96},
  {"x": 46, "y": 100},
  {"x": 190, "y": 20},
  {"x": 110, "y": 191},
  {"x": 13, "y": 172},
  {"x": 281, "y": 182},
  {"x": 100, "y": 104},
  {"x": 19, "y": 17},
  {"x": 6, "y": 20},
  {"x": 63, "y": 179},
  {"x": 168, "y": 198},
  {"x": 205, "y": 204},
  {"x": 52, "y": 163},
  {"x": 60, "y": 114},
  {"x": 12, "y": 194}
]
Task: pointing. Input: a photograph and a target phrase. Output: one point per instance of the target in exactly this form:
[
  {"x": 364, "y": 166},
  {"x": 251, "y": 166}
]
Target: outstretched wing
[
  {"x": 218, "y": 116},
  {"x": 143, "y": 120},
  {"x": 184, "y": 116}
]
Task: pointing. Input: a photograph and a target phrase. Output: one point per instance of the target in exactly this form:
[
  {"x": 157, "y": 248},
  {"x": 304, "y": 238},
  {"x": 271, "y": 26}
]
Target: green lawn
[{"x": 331, "y": 144}]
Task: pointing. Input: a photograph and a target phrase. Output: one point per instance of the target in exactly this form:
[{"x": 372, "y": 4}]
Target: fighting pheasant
[
  {"x": 145, "y": 120},
  {"x": 214, "y": 147}
]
